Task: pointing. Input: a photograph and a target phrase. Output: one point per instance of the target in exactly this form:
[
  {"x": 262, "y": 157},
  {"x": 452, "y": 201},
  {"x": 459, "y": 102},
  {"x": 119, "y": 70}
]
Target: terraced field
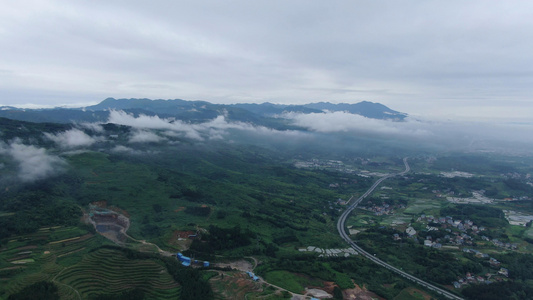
[
  {"x": 109, "y": 271},
  {"x": 39, "y": 256}
]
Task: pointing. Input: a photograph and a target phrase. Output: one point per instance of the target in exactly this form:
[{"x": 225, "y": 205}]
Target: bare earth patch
[
  {"x": 359, "y": 293},
  {"x": 242, "y": 265}
]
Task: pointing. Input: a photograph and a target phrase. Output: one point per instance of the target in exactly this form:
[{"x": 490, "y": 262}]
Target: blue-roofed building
[
  {"x": 206, "y": 264},
  {"x": 186, "y": 261}
]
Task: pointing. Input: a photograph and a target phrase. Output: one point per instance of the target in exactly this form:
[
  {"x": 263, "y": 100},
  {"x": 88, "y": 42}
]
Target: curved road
[{"x": 346, "y": 237}]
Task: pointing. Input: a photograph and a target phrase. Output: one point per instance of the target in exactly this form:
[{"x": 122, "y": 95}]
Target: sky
[{"x": 440, "y": 59}]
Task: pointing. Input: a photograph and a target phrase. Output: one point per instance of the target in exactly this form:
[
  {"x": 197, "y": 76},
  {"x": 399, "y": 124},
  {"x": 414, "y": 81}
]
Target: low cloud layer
[
  {"x": 72, "y": 138},
  {"x": 347, "y": 122},
  {"x": 92, "y": 126},
  {"x": 452, "y": 134},
  {"x": 143, "y": 136},
  {"x": 152, "y": 122},
  {"x": 120, "y": 149},
  {"x": 33, "y": 163},
  {"x": 213, "y": 129}
]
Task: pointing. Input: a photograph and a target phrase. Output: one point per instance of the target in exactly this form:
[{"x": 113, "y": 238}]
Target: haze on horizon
[{"x": 443, "y": 59}]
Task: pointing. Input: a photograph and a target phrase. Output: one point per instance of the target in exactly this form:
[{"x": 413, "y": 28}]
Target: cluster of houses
[
  {"x": 488, "y": 279},
  {"x": 501, "y": 244},
  {"x": 336, "y": 165},
  {"x": 460, "y": 237},
  {"x": 384, "y": 209},
  {"x": 455, "y": 237},
  {"x": 449, "y": 222},
  {"x": 514, "y": 175},
  {"x": 494, "y": 263}
]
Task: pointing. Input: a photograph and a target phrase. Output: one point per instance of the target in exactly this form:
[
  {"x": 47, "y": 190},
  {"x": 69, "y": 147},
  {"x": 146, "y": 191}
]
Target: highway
[{"x": 346, "y": 237}]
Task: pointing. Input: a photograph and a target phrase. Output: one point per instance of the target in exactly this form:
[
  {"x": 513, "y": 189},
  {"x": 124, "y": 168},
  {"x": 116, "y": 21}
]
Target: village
[
  {"x": 460, "y": 233},
  {"x": 340, "y": 166}
]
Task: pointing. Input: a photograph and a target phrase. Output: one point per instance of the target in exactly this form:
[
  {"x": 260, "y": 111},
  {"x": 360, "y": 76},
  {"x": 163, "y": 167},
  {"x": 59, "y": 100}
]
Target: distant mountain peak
[{"x": 364, "y": 108}]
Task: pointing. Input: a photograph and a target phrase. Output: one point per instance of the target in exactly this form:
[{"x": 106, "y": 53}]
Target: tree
[{"x": 42, "y": 290}]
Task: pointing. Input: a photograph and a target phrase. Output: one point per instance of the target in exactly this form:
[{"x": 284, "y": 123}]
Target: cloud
[
  {"x": 466, "y": 135},
  {"x": 143, "y": 136},
  {"x": 124, "y": 149},
  {"x": 96, "y": 127},
  {"x": 72, "y": 138},
  {"x": 347, "y": 122},
  {"x": 120, "y": 149},
  {"x": 439, "y": 57},
  {"x": 215, "y": 129},
  {"x": 153, "y": 122},
  {"x": 33, "y": 163}
]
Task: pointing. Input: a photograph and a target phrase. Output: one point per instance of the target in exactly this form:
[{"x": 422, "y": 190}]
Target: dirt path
[
  {"x": 161, "y": 251},
  {"x": 255, "y": 261},
  {"x": 55, "y": 281}
]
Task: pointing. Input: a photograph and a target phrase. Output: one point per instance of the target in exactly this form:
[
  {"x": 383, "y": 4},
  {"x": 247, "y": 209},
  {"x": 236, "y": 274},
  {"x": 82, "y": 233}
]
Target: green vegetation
[
  {"x": 244, "y": 200},
  {"x": 434, "y": 265},
  {"x": 112, "y": 272},
  {"x": 222, "y": 239},
  {"x": 40, "y": 290},
  {"x": 496, "y": 291},
  {"x": 520, "y": 265},
  {"x": 287, "y": 281},
  {"x": 410, "y": 294},
  {"x": 134, "y": 294}
]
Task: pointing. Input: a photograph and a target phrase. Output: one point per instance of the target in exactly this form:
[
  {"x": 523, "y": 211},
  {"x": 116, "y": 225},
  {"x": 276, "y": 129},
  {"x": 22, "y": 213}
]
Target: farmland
[
  {"x": 108, "y": 224},
  {"x": 66, "y": 257},
  {"x": 110, "y": 272}
]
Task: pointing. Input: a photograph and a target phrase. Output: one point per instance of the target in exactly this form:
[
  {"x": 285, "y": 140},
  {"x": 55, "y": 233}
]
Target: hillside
[{"x": 240, "y": 196}]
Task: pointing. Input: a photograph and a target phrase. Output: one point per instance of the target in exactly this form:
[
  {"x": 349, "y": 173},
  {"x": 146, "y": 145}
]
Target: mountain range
[{"x": 265, "y": 114}]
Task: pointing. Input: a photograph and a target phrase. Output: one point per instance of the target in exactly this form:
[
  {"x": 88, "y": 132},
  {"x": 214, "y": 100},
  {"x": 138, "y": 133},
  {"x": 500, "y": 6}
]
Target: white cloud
[
  {"x": 347, "y": 122},
  {"x": 216, "y": 128},
  {"x": 124, "y": 149},
  {"x": 33, "y": 163},
  {"x": 96, "y": 127},
  {"x": 120, "y": 149},
  {"x": 143, "y": 136},
  {"x": 152, "y": 122},
  {"x": 440, "y": 57},
  {"x": 453, "y": 134},
  {"x": 72, "y": 138}
]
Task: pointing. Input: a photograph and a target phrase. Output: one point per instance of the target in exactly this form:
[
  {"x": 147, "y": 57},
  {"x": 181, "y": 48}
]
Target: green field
[
  {"x": 423, "y": 206},
  {"x": 412, "y": 294},
  {"x": 287, "y": 280}
]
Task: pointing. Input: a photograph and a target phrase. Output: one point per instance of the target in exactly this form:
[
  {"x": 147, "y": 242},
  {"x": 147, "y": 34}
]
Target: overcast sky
[{"x": 442, "y": 58}]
